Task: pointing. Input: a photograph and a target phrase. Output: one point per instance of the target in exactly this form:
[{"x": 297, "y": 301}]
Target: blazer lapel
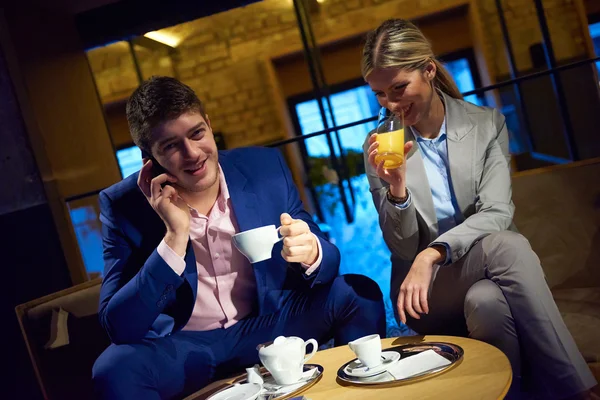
[
  {"x": 461, "y": 148},
  {"x": 243, "y": 199},
  {"x": 191, "y": 269},
  {"x": 247, "y": 213},
  {"x": 418, "y": 184}
]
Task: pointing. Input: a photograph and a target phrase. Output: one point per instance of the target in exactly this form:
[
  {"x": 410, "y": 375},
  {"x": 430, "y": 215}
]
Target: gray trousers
[{"x": 497, "y": 293}]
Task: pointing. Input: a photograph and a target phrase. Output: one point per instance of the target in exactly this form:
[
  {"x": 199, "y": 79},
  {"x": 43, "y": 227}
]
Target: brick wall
[
  {"x": 565, "y": 30},
  {"x": 114, "y": 71},
  {"x": 223, "y": 56}
]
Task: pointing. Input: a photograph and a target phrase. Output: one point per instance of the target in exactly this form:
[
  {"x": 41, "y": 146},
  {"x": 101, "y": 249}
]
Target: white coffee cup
[
  {"x": 257, "y": 244},
  {"x": 367, "y": 350},
  {"x": 285, "y": 358}
]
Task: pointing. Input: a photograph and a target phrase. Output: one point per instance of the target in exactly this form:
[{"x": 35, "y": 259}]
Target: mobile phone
[{"x": 157, "y": 169}]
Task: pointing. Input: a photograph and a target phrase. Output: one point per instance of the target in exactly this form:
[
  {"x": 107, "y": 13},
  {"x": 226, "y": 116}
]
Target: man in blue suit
[{"x": 181, "y": 305}]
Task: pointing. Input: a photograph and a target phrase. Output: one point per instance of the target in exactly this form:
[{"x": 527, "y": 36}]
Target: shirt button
[{"x": 217, "y": 255}]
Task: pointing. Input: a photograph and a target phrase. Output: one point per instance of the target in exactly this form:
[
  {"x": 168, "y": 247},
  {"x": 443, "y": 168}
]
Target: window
[
  {"x": 463, "y": 68},
  {"x": 85, "y": 214},
  {"x": 595, "y": 34},
  {"x": 130, "y": 160},
  {"x": 348, "y": 106},
  {"x": 463, "y": 76}
]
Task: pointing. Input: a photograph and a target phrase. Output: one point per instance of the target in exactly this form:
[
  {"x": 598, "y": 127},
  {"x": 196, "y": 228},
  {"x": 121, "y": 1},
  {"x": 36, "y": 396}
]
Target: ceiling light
[{"x": 164, "y": 38}]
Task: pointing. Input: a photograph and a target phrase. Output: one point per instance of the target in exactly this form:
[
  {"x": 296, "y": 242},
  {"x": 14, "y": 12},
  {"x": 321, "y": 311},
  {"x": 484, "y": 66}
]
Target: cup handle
[
  {"x": 278, "y": 233},
  {"x": 314, "y": 350}
]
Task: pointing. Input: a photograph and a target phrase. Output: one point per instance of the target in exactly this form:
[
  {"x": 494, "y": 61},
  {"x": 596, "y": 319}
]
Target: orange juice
[{"x": 391, "y": 149}]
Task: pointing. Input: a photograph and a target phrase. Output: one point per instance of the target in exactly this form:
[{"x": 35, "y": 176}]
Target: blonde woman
[{"x": 458, "y": 265}]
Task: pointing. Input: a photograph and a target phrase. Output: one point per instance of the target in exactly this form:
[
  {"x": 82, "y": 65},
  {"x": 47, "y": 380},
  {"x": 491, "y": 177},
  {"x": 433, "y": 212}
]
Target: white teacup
[
  {"x": 285, "y": 358},
  {"x": 257, "y": 244},
  {"x": 367, "y": 349}
]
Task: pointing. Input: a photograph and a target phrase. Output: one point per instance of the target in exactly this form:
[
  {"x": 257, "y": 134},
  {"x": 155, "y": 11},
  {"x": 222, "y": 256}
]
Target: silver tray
[
  {"x": 266, "y": 375},
  {"x": 451, "y": 352}
]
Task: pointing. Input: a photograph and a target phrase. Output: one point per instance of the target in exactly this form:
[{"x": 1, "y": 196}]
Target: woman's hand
[
  {"x": 415, "y": 288},
  {"x": 396, "y": 177}
]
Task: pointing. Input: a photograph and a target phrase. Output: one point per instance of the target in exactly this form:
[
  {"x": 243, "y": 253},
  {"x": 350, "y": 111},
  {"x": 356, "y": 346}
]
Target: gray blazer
[{"x": 479, "y": 168}]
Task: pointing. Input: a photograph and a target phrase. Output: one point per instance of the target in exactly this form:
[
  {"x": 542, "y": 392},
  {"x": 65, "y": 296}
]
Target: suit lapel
[
  {"x": 418, "y": 184},
  {"x": 191, "y": 269},
  {"x": 247, "y": 213},
  {"x": 243, "y": 199},
  {"x": 461, "y": 148}
]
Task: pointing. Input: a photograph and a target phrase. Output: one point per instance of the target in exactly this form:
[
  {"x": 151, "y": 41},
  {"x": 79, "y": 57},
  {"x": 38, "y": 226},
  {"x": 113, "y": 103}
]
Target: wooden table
[{"x": 484, "y": 373}]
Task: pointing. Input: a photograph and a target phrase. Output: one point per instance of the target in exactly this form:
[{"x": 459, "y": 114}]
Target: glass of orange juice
[{"x": 390, "y": 136}]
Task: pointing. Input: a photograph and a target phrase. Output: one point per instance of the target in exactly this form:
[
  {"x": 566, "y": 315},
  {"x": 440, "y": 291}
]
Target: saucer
[
  {"x": 357, "y": 369},
  {"x": 244, "y": 391},
  {"x": 271, "y": 385},
  {"x": 273, "y": 391}
]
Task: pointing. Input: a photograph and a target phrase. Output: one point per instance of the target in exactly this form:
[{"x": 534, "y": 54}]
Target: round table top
[{"x": 484, "y": 373}]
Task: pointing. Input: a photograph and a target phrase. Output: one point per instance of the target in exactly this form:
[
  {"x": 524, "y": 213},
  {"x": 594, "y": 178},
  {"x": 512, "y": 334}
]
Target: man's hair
[{"x": 157, "y": 100}]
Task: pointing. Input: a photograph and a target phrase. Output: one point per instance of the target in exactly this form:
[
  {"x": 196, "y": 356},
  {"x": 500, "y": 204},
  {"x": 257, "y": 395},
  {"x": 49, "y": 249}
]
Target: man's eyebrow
[
  {"x": 197, "y": 126},
  {"x": 166, "y": 140},
  {"x": 192, "y": 129}
]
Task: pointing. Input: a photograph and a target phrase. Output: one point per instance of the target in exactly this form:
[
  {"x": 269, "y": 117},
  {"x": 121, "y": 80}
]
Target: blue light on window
[
  {"x": 348, "y": 106},
  {"x": 88, "y": 230},
  {"x": 461, "y": 72},
  {"x": 130, "y": 160},
  {"x": 595, "y": 34},
  {"x": 310, "y": 122}
]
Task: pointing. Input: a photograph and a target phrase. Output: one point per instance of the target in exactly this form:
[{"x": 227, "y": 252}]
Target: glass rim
[{"x": 385, "y": 114}]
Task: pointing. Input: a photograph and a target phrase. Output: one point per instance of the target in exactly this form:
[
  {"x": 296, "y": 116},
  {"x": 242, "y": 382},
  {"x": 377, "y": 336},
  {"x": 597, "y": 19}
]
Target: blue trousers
[{"x": 181, "y": 363}]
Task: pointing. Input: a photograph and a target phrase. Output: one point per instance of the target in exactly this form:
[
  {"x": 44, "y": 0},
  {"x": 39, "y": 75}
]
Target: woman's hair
[{"x": 398, "y": 43}]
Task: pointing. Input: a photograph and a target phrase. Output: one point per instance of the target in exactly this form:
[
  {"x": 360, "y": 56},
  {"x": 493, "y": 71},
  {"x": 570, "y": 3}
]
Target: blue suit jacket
[{"x": 142, "y": 297}]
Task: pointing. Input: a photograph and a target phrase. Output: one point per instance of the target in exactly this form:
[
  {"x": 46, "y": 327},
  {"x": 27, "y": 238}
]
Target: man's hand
[
  {"x": 415, "y": 288},
  {"x": 168, "y": 205},
  {"x": 299, "y": 244}
]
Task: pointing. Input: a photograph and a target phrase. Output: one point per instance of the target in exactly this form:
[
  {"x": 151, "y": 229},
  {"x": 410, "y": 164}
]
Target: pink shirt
[{"x": 221, "y": 267}]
